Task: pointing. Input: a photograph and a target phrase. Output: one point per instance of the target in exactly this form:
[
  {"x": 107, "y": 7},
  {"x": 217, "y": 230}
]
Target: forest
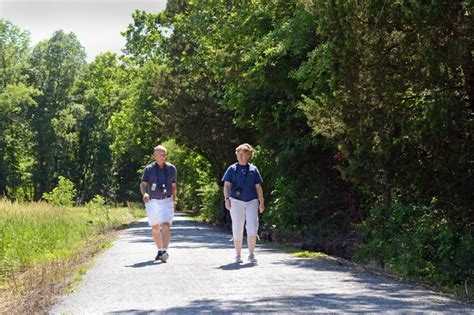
[{"x": 361, "y": 113}]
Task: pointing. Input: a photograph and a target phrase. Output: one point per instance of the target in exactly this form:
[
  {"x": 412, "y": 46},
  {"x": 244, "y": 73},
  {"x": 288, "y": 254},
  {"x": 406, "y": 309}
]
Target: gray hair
[{"x": 160, "y": 148}]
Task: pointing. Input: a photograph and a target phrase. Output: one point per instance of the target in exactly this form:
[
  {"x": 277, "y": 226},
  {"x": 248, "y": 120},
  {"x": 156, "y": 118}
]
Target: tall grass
[
  {"x": 32, "y": 233},
  {"x": 35, "y": 235}
]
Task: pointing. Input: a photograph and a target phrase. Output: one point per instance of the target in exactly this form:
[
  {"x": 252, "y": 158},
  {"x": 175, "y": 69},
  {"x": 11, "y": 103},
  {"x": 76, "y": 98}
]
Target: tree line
[{"x": 361, "y": 112}]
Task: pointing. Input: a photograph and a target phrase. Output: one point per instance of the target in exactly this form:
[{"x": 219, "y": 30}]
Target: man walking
[{"x": 158, "y": 187}]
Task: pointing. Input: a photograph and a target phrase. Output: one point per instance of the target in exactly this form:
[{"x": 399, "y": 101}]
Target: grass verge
[{"x": 42, "y": 249}]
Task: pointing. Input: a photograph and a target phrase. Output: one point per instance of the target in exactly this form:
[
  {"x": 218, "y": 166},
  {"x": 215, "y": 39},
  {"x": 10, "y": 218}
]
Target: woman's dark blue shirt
[{"x": 244, "y": 177}]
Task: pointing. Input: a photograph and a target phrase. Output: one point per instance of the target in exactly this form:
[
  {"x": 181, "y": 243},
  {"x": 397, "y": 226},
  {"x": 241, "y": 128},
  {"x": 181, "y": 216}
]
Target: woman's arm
[
  {"x": 261, "y": 201},
  {"x": 226, "y": 189}
]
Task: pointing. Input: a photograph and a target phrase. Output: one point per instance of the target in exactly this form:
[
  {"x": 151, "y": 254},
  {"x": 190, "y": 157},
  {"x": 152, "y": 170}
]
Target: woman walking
[{"x": 243, "y": 195}]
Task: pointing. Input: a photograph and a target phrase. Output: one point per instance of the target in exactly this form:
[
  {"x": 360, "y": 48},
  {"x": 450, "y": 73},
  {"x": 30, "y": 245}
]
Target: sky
[{"x": 96, "y": 23}]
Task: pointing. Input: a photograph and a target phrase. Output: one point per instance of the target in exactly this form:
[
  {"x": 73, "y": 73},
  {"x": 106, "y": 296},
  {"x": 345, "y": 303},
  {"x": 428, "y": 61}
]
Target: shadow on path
[
  {"x": 236, "y": 266},
  {"x": 394, "y": 296},
  {"x": 311, "y": 303},
  {"x": 144, "y": 264},
  {"x": 184, "y": 234}
]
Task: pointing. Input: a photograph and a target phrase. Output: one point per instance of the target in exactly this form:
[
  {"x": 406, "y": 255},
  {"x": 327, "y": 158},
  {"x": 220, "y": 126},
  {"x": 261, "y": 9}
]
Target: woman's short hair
[{"x": 246, "y": 148}]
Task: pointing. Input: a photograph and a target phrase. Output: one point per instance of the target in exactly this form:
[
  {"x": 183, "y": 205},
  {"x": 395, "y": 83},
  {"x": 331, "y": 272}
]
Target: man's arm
[
  {"x": 174, "y": 192},
  {"x": 143, "y": 191}
]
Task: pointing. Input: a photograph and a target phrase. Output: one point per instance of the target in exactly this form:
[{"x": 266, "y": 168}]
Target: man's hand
[
  {"x": 146, "y": 197},
  {"x": 228, "y": 204},
  {"x": 261, "y": 207}
]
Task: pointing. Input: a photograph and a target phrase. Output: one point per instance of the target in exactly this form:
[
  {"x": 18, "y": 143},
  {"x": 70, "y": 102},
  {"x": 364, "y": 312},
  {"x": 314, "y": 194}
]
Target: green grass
[
  {"x": 33, "y": 233},
  {"x": 296, "y": 251},
  {"x": 308, "y": 254},
  {"x": 45, "y": 249}
]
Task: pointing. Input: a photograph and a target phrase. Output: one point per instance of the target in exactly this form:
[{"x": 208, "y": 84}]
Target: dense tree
[
  {"x": 99, "y": 90},
  {"x": 14, "y": 52},
  {"x": 16, "y": 97},
  {"x": 389, "y": 87},
  {"x": 192, "y": 95},
  {"x": 16, "y": 141},
  {"x": 56, "y": 64}
]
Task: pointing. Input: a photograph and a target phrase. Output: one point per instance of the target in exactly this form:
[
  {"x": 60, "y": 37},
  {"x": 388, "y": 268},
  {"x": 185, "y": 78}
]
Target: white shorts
[
  {"x": 244, "y": 212},
  {"x": 159, "y": 211}
]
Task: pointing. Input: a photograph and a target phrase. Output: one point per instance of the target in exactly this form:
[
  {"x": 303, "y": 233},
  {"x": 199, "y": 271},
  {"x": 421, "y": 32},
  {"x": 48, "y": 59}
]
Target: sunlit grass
[
  {"x": 37, "y": 239},
  {"x": 308, "y": 254},
  {"x": 31, "y": 233}
]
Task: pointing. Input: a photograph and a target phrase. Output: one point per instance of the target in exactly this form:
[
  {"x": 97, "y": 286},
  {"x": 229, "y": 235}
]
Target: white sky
[{"x": 96, "y": 23}]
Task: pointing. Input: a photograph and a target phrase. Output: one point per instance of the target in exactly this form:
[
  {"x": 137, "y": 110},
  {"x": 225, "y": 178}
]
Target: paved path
[{"x": 200, "y": 277}]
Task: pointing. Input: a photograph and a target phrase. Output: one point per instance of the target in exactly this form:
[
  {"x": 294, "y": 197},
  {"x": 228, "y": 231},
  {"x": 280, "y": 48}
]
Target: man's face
[
  {"x": 160, "y": 156},
  {"x": 243, "y": 156}
]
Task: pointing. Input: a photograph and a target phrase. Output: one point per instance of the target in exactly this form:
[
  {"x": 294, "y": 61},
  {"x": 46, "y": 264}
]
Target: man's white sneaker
[
  {"x": 238, "y": 259},
  {"x": 252, "y": 259}
]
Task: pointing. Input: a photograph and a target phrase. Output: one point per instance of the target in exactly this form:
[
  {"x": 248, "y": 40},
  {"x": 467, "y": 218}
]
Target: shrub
[
  {"x": 419, "y": 242},
  {"x": 62, "y": 195},
  {"x": 211, "y": 202},
  {"x": 98, "y": 211}
]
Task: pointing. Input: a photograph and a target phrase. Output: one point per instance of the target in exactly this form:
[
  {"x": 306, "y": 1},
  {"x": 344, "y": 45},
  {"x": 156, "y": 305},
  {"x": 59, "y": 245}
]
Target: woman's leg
[
  {"x": 251, "y": 215},
  {"x": 237, "y": 213}
]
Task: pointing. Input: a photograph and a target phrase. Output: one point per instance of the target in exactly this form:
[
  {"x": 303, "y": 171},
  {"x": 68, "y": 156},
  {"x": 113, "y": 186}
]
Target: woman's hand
[{"x": 228, "y": 205}]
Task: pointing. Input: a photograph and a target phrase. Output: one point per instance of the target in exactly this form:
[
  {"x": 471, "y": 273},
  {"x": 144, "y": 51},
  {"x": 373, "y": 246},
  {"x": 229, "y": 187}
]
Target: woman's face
[{"x": 243, "y": 156}]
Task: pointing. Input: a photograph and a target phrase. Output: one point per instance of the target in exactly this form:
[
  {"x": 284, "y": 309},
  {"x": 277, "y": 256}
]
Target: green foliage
[
  {"x": 144, "y": 39},
  {"x": 136, "y": 128},
  {"x": 14, "y": 49},
  {"x": 193, "y": 172},
  {"x": 63, "y": 194},
  {"x": 98, "y": 211},
  {"x": 16, "y": 99},
  {"x": 55, "y": 63},
  {"x": 100, "y": 93},
  {"x": 419, "y": 242},
  {"x": 212, "y": 202},
  {"x": 16, "y": 143},
  {"x": 392, "y": 100}
]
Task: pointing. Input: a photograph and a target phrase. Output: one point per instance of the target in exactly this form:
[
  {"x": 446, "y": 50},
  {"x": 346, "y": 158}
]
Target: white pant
[
  {"x": 240, "y": 212},
  {"x": 159, "y": 211}
]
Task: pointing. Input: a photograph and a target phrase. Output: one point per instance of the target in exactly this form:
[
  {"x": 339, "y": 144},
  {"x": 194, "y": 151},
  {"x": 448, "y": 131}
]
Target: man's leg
[
  {"x": 166, "y": 217},
  {"x": 154, "y": 221},
  {"x": 155, "y": 231},
  {"x": 166, "y": 231}
]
